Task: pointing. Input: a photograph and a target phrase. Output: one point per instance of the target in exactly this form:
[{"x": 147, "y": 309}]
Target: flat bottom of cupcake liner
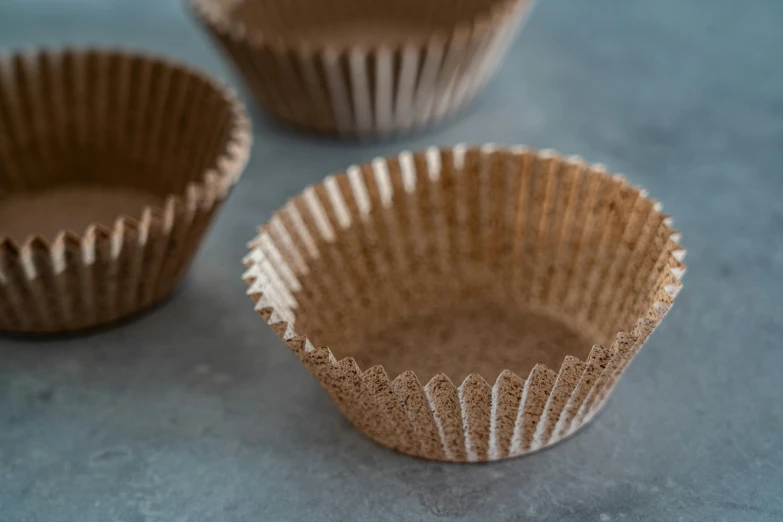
[
  {"x": 71, "y": 208},
  {"x": 489, "y": 337}
]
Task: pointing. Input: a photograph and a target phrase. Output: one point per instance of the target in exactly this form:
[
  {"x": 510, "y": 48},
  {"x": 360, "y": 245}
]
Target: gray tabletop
[{"x": 196, "y": 412}]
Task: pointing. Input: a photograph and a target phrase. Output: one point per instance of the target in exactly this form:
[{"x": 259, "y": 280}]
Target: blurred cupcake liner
[
  {"x": 352, "y": 81},
  {"x": 106, "y": 132},
  {"x": 486, "y": 262}
]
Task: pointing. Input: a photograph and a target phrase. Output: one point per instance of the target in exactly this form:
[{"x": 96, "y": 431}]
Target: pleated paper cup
[
  {"x": 359, "y": 68},
  {"x": 530, "y": 279},
  {"x": 112, "y": 165}
]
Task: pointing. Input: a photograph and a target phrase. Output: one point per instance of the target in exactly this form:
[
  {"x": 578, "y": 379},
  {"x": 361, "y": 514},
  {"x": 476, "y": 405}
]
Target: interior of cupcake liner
[{"x": 115, "y": 131}]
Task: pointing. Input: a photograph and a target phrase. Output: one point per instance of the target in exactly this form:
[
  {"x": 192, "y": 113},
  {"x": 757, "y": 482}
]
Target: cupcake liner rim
[{"x": 476, "y": 28}]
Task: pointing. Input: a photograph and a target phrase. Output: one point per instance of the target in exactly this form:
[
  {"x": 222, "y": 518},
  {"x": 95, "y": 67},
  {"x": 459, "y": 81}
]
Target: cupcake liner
[
  {"x": 360, "y": 81},
  {"x": 482, "y": 265},
  {"x": 112, "y": 166}
]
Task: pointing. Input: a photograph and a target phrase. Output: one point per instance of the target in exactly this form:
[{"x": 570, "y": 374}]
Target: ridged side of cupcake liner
[
  {"x": 364, "y": 91},
  {"x": 59, "y": 106},
  {"x": 595, "y": 275}
]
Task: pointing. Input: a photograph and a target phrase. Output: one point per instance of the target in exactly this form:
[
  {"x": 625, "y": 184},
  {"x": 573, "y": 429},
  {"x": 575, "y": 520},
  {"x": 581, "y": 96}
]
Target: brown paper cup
[
  {"x": 111, "y": 168},
  {"x": 531, "y": 279},
  {"x": 359, "y": 68}
]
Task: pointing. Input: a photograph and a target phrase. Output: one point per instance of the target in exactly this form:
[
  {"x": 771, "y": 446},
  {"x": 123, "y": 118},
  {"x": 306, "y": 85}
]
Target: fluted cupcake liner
[
  {"x": 540, "y": 274},
  {"x": 310, "y": 70},
  {"x": 112, "y": 166}
]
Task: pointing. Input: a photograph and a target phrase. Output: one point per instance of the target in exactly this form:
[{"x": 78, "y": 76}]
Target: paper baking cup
[
  {"x": 541, "y": 275},
  {"x": 360, "y": 68},
  {"x": 111, "y": 168}
]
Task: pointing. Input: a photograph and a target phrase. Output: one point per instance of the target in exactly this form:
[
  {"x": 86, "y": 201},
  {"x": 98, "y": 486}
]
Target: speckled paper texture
[
  {"x": 467, "y": 304},
  {"x": 363, "y": 69},
  {"x": 79, "y": 123}
]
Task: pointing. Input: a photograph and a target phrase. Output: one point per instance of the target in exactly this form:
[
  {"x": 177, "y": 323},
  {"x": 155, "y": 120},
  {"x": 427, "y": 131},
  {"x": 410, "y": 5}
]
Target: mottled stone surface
[{"x": 179, "y": 416}]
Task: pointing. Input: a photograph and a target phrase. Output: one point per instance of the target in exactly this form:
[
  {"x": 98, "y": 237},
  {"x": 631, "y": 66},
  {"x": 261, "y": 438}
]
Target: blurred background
[{"x": 196, "y": 412}]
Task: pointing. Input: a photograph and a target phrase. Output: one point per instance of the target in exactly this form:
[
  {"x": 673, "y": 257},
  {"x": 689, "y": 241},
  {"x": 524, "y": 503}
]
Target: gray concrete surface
[{"x": 196, "y": 412}]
